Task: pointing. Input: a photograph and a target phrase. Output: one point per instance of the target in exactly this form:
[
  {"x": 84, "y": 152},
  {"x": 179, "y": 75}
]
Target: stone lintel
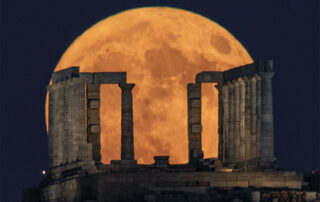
[
  {"x": 66, "y": 74},
  {"x": 87, "y": 77},
  {"x": 110, "y": 77},
  {"x": 209, "y": 77},
  {"x": 233, "y": 74}
]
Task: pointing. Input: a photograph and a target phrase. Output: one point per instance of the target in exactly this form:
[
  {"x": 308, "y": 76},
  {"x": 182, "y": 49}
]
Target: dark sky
[{"x": 35, "y": 33}]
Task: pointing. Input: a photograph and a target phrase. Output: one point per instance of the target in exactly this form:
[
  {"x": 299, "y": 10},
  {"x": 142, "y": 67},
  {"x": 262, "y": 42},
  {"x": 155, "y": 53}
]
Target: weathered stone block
[
  {"x": 194, "y": 112},
  {"x": 195, "y": 119},
  {"x": 93, "y": 112},
  {"x": 195, "y": 103},
  {"x": 93, "y": 120},
  {"x": 94, "y": 104},
  {"x": 194, "y": 93},
  {"x": 94, "y": 129},
  {"x": 255, "y": 196},
  {"x": 310, "y": 196},
  {"x": 93, "y": 87},
  {"x": 85, "y": 151},
  {"x": 110, "y": 77},
  {"x": 93, "y": 95},
  {"x": 196, "y": 128}
]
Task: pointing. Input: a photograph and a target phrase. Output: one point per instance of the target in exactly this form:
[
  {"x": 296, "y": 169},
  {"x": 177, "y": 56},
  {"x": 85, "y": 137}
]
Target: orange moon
[{"x": 161, "y": 49}]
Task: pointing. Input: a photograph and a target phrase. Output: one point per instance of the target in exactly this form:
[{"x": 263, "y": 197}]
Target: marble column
[
  {"x": 236, "y": 120},
  {"x": 247, "y": 118},
  {"x": 59, "y": 116},
  {"x": 194, "y": 123},
  {"x": 225, "y": 98},
  {"x": 220, "y": 122},
  {"x": 127, "y": 144},
  {"x": 258, "y": 117},
  {"x": 231, "y": 123},
  {"x": 242, "y": 119},
  {"x": 50, "y": 130},
  {"x": 56, "y": 103},
  {"x": 78, "y": 126},
  {"x": 267, "y": 136},
  {"x": 93, "y": 119},
  {"x": 253, "y": 115},
  {"x": 66, "y": 123}
]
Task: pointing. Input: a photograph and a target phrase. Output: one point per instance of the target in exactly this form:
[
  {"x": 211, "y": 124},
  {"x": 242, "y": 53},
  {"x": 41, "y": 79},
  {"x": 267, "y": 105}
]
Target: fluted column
[
  {"x": 258, "y": 117},
  {"x": 267, "y": 136},
  {"x": 50, "y": 129},
  {"x": 236, "y": 120},
  {"x": 56, "y": 104},
  {"x": 58, "y": 114},
  {"x": 242, "y": 92},
  {"x": 127, "y": 144},
  {"x": 253, "y": 114},
  {"x": 225, "y": 97},
  {"x": 231, "y": 123},
  {"x": 247, "y": 118},
  {"x": 66, "y": 123},
  {"x": 220, "y": 122}
]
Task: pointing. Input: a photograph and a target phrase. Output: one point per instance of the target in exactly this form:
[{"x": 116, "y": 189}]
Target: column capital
[
  {"x": 219, "y": 86},
  {"x": 266, "y": 75},
  {"x": 235, "y": 83},
  {"x": 126, "y": 86},
  {"x": 230, "y": 84}
]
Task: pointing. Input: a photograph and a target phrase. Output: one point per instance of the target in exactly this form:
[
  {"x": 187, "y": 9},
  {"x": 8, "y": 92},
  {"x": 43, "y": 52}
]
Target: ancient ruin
[
  {"x": 245, "y": 116},
  {"x": 246, "y": 163}
]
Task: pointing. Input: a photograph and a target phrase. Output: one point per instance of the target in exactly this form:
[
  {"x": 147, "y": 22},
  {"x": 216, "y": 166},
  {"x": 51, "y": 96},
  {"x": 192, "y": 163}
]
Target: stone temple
[{"x": 245, "y": 169}]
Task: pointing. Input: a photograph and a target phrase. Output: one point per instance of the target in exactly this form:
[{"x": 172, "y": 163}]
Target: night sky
[{"x": 34, "y": 35}]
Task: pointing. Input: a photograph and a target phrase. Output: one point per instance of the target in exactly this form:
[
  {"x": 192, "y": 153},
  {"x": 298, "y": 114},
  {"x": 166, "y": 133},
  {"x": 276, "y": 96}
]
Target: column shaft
[
  {"x": 50, "y": 130},
  {"x": 237, "y": 120},
  {"x": 247, "y": 118},
  {"x": 194, "y": 123},
  {"x": 220, "y": 122},
  {"x": 258, "y": 117},
  {"x": 60, "y": 120},
  {"x": 253, "y": 115},
  {"x": 225, "y": 95},
  {"x": 93, "y": 119},
  {"x": 127, "y": 143},
  {"x": 231, "y": 123},
  {"x": 267, "y": 136},
  {"x": 242, "y": 120}
]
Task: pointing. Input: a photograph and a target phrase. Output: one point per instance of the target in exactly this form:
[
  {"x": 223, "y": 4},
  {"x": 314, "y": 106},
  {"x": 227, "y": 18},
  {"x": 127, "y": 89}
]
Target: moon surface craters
[{"x": 221, "y": 44}]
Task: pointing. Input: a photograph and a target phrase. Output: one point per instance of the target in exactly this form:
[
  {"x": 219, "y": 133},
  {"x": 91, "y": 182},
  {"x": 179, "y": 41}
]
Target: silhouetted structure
[{"x": 245, "y": 166}]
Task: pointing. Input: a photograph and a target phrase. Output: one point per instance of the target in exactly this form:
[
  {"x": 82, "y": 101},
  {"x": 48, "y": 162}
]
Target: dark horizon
[{"x": 35, "y": 34}]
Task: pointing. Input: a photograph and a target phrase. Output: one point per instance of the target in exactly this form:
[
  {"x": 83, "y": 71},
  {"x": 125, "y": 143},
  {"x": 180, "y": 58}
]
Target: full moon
[{"x": 161, "y": 49}]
